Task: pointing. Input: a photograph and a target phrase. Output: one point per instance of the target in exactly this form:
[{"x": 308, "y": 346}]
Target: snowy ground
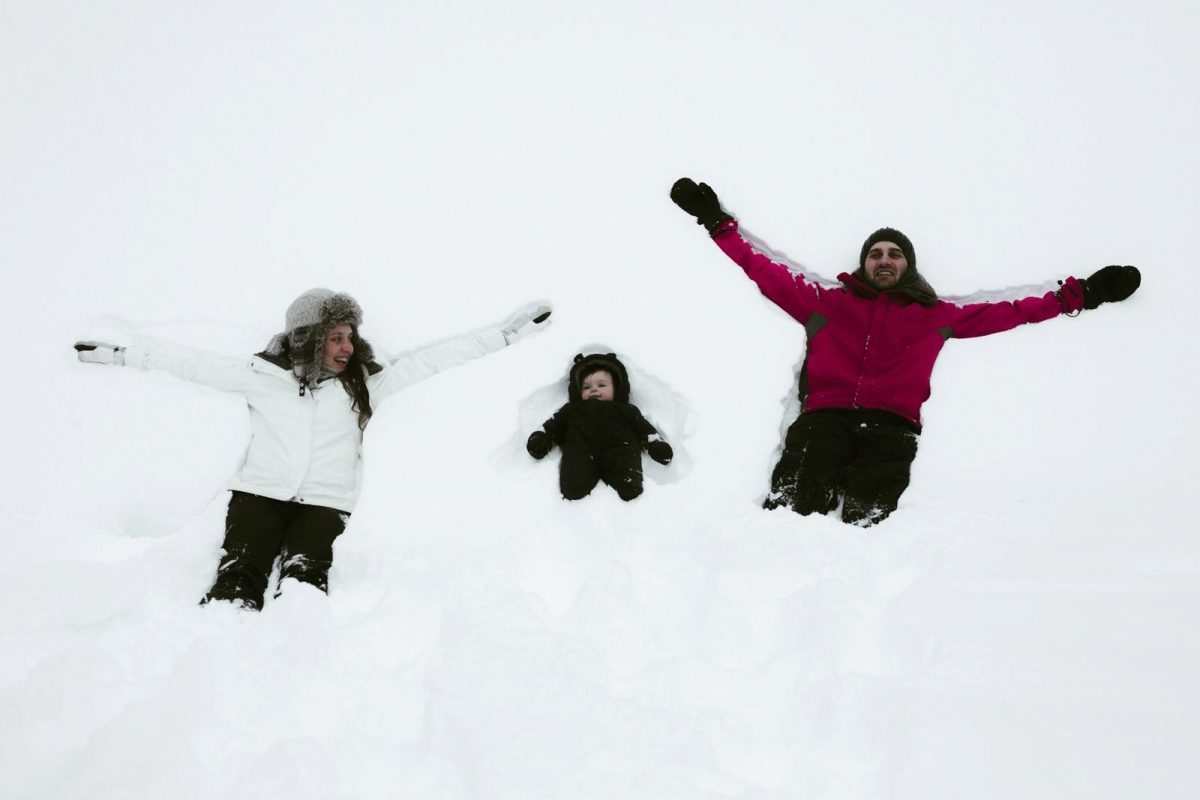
[{"x": 1025, "y": 624}]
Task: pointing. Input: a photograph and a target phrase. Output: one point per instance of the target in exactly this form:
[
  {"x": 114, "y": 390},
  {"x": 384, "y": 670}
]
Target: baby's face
[{"x": 597, "y": 386}]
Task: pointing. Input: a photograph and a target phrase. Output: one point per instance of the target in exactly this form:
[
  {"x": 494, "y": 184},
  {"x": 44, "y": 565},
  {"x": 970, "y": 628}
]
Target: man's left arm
[{"x": 1108, "y": 285}]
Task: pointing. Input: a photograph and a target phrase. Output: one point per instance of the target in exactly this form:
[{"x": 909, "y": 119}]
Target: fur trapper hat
[
  {"x": 322, "y": 307},
  {"x": 586, "y": 365},
  {"x": 308, "y": 319}
]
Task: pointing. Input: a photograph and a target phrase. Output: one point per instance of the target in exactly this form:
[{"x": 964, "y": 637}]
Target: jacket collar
[{"x": 913, "y": 287}]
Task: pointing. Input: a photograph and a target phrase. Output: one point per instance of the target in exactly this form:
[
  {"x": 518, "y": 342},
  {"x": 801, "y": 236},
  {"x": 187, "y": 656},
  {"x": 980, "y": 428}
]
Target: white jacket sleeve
[
  {"x": 418, "y": 365},
  {"x": 219, "y": 372}
]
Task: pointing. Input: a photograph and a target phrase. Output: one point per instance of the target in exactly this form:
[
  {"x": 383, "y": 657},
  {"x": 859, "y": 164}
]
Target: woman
[{"x": 311, "y": 393}]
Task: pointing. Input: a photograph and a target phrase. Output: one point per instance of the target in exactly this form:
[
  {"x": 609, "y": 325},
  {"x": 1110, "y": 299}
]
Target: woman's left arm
[{"x": 418, "y": 365}]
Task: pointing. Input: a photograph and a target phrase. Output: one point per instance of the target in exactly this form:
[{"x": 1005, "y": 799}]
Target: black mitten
[
  {"x": 700, "y": 201},
  {"x": 539, "y": 444},
  {"x": 660, "y": 451},
  {"x": 1110, "y": 284}
]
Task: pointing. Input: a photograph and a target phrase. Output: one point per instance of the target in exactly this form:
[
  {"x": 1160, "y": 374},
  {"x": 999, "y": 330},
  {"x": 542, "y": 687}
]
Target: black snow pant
[
  {"x": 258, "y": 530},
  {"x": 580, "y": 470},
  {"x": 861, "y": 456}
]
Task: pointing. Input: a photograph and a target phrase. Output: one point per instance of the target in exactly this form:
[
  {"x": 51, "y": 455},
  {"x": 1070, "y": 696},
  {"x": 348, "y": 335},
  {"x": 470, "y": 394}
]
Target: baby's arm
[
  {"x": 541, "y": 442},
  {"x": 656, "y": 447}
]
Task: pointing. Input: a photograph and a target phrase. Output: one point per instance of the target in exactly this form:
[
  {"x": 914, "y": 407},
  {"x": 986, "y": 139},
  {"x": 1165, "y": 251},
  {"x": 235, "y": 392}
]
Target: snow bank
[{"x": 1024, "y": 625}]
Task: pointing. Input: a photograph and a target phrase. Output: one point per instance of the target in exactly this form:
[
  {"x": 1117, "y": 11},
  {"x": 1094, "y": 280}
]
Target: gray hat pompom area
[
  {"x": 305, "y": 310},
  {"x": 324, "y": 308}
]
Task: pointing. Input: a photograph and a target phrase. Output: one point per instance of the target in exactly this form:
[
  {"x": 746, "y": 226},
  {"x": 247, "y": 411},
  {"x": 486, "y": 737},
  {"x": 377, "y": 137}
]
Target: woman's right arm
[{"x": 219, "y": 372}]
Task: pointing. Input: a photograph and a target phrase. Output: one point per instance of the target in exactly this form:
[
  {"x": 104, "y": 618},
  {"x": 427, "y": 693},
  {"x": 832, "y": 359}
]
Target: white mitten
[
  {"x": 527, "y": 319},
  {"x": 100, "y": 353}
]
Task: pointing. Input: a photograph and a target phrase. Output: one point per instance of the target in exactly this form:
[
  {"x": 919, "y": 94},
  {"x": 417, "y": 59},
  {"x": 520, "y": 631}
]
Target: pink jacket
[{"x": 870, "y": 349}]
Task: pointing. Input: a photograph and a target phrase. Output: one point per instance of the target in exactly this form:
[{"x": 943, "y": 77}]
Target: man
[{"x": 872, "y": 343}]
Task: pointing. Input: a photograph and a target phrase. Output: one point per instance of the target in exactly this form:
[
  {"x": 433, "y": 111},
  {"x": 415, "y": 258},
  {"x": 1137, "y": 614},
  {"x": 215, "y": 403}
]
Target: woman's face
[{"x": 338, "y": 348}]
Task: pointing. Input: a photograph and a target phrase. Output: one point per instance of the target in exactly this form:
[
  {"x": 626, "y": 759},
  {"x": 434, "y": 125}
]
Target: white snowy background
[{"x": 1026, "y": 625}]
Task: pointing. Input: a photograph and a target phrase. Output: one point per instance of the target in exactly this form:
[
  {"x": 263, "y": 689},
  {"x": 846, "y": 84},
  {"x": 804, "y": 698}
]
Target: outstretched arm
[
  {"x": 219, "y": 372},
  {"x": 656, "y": 447},
  {"x": 541, "y": 442},
  {"x": 420, "y": 364},
  {"x": 1108, "y": 285},
  {"x": 787, "y": 288}
]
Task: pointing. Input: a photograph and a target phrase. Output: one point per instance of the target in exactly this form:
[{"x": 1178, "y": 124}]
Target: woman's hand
[
  {"x": 90, "y": 352},
  {"x": 526, "y": 320}
]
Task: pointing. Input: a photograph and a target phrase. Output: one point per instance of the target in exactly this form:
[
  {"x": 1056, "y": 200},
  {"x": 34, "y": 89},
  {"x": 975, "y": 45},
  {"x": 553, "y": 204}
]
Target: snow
[{"x": 1023, "y": 626}]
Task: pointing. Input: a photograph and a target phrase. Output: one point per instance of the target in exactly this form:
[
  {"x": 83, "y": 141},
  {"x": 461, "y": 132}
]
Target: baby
[{"x": 600, "y": 434}]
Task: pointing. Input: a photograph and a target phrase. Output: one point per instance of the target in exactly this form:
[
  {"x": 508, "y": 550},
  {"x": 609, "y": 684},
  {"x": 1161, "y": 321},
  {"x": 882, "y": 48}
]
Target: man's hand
[
  {"x": 1071, "y": 296},
  {"x": 700, "y": 201},
  {"x": 1111, "y": 284},
  {"x": 526, "y": 320},
  {"x": 100, "y": 353}
]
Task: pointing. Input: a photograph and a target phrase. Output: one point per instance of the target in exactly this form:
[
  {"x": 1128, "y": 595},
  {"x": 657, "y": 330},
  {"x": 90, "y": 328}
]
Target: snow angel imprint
[
  {"x": 310, "y": 393},
  {"x": 600, "y": 433}
]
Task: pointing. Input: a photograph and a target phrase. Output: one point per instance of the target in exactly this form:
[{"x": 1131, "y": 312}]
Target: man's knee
[
  {"x": 866, "y": 514},
  {"x": 804, "y": 493}
]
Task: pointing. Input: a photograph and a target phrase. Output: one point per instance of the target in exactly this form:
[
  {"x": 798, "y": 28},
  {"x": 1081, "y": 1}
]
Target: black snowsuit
[{"x": 601, "y": 440}]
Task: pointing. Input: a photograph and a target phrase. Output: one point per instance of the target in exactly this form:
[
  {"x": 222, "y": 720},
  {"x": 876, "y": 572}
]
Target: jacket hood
[{"x": 585, "y": 365}]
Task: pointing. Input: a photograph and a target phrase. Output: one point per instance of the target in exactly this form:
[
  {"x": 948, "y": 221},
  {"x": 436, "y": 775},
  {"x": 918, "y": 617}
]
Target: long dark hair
[{"x": 354, "y": 378}]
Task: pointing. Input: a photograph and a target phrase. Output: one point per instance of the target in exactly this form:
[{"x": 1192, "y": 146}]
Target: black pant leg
[
  {"x": 253, "y": 533},
  {"x": 880, "y": 472},
  {"x": 809, "y": 474},
  {"x": 621, "y": 468},
  {"x": 578, "y": 471},
  {"x": 308, "y": 544}
]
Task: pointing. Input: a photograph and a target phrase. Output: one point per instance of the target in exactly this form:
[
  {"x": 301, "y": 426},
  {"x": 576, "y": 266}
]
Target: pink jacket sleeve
[
  {"x": 787, "y": 289},
  {"x": 984, "y": 319}
]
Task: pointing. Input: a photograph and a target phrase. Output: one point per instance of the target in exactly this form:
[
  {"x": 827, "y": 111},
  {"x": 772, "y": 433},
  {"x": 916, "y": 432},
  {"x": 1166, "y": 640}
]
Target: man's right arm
[
  {"x": 788, "y": 289},
  {"x": 784, "y": 287}
]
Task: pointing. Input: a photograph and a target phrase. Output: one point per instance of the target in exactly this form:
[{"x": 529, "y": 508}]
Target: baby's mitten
[{"x": 539, "y": 444}]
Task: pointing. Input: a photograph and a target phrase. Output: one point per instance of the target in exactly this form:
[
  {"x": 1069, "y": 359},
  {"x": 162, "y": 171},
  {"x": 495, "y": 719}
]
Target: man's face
[{"x": 885, "y": 265}]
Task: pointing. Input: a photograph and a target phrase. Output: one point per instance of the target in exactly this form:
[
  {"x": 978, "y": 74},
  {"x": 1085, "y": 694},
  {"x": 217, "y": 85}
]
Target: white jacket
[{"x": 306, "y": 448}]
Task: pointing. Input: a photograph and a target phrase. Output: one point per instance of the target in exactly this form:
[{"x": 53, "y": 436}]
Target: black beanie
[{"x": 888, "y": 235}]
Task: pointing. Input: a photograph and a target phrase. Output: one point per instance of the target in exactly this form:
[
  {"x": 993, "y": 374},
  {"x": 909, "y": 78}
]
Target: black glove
[
  {"x": 700, "y": 201},
  {"x": 539, "y": 444},
  {"x": 660, "y": 451},
  {"x": 1110, "y": 284}
]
